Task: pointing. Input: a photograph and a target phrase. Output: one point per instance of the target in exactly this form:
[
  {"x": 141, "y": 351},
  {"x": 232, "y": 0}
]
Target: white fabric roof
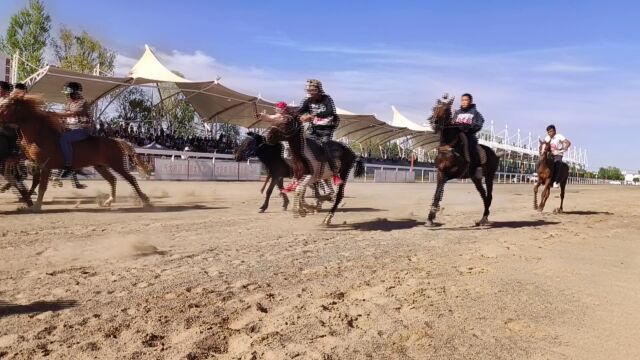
[
  {"x": 150, "y": 70},
  {"x": 216, "y": 103},
  {"x": 49, "y": 81},
  {"x": 402, "y": 121}
]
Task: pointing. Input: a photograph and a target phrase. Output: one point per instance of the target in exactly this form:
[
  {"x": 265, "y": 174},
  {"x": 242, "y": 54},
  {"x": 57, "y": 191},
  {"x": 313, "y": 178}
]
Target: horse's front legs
[{"x": 437, "y": 197}]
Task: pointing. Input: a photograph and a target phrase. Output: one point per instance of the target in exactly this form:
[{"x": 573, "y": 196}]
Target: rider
[
  {"x": 77, "y": 118},
  {"x": 559, "y": 145},
  {"x": 319, "y": 109},
  {"x": 470, "y": 121}
]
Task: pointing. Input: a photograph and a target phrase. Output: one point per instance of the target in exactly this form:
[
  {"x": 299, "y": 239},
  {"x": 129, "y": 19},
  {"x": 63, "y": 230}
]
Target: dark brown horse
[
  {"x": 545, "y": 176},
  {"x": 40, "y": 142},
  {"x": 452, "y": 163},
  {"x": 317, "y": 168}
]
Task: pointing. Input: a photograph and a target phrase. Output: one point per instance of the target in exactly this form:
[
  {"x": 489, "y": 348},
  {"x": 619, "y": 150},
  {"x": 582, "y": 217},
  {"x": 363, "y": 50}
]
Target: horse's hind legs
[
  {"x": 485, "y": 200},
  {"x": 108, "y": 176}
]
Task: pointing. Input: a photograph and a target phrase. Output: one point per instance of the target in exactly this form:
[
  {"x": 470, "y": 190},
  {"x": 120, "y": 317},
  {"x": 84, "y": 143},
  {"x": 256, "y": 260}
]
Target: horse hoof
[
  {"x": 482, "y": 222},
  {"x": 557, "y": 211},
  {"x": 260, "y": 211}
]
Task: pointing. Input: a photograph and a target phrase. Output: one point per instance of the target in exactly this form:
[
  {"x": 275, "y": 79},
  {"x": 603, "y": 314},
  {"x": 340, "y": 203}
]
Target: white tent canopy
[
  {"x": 216, "y": 103},
  {"x": 402, "y": 121}
]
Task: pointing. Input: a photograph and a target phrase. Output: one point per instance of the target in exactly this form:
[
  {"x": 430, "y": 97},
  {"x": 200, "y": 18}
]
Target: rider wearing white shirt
[{"x": 559, "y": 145}]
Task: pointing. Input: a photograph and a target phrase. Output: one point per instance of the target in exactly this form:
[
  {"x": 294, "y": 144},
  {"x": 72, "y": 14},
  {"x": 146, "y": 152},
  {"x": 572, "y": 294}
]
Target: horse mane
[
  {"x": 35, "y": 105},
  {"x": 435, "y": 119}
]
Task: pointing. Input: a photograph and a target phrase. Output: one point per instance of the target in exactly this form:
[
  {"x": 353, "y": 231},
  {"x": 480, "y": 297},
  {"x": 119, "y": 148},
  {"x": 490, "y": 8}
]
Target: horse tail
[
  {"x": 143, "y": 168},
  {"x": 359, "y": 170}
]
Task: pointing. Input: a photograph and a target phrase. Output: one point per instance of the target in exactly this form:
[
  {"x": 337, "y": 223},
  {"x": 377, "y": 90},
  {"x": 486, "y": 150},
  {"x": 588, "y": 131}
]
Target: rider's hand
[{"x": 306, "y": 117}]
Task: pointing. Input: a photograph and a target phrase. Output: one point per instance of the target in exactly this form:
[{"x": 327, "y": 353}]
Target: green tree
[
  {"x": 28, "y": 34},
  {"x": 82, "y": 53},
  {"x": 133, "y": 105},
  {"x": 610, "y": 173},
  {"x": 636, "y": 179}
]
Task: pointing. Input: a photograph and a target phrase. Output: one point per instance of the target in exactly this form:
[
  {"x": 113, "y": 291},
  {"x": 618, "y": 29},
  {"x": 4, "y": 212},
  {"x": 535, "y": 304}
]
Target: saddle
[
  {"x": 318, "y": 150},
  {"x": 465, "y": 150}
]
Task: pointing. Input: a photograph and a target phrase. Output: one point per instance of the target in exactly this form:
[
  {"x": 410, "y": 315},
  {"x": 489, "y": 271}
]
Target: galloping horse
[
  {"x": 40, "y": 134},
  {"x": 279, "y": 168},
  {"x": 545, "y": 176},
  {"x": 271, "y": 156},
  {"x": 452, "y": 163},
  {"x": 302, "y": 147}
]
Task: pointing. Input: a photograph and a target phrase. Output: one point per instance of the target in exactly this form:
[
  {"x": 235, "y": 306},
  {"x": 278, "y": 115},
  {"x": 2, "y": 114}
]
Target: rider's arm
[
  {"x": 477, "y": 122},
  {"x": 329, "y": 115},
  {"x": 566, "y": 143},
  {"x": 271, "y": 119}
]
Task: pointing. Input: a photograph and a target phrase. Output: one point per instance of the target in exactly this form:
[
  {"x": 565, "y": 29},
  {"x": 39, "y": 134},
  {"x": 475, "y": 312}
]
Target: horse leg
[
  {"x": 42, "y": 188},
  {"x": 545, "y": 195},
  {"x": 76, "y": 183},
  {"x": 563, "y": 184},
  {"x": 108, "y": 176},
  {"x": 265, "y": 205},
  {"x": 535, "y": 195},
  {"x": 298, "y": 200},
  {"x": 34, "y": 182},
  {"x": 485, "y": 216},
  {"x": 285, "y": 198},
  {"x": 437, "y": 197},
  {"x": 316, "y": 192},
  {"x": 122, "y": 171}
]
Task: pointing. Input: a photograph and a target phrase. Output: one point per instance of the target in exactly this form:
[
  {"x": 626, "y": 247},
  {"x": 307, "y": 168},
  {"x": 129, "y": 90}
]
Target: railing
[{"x": 422, "y": 174}]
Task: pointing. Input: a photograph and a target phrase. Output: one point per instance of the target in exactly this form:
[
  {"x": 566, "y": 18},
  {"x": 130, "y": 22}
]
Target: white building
[{"x": 5, "y": 67}]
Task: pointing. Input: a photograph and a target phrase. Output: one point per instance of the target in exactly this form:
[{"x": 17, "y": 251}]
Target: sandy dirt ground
[{"x": 204, "y": 276}]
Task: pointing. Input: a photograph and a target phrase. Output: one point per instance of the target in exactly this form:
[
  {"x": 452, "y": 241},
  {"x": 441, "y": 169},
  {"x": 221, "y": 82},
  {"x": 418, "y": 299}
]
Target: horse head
[
  {"x": 249, "y": 146},
  {"x": 441, "y": 114},
  {"x": 544, "y": 150},
  {"x": 285, "y": 130},
  {"x": 20, "y": 110}
]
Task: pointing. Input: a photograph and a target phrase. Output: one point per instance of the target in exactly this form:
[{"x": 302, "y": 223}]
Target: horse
[
  {"x": 279, "y": 168},
  {"x": 303, "y": 147},
  {"x": 453, "y": 161},
  {"x": 545, "y": 176},
  {"x": 271, "y": 156},
  {"x": 40, "y": 141}
]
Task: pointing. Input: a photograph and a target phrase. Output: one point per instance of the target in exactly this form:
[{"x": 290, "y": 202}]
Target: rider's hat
[
  {"x": 20, "y": 86},
  {"x": 314, "y": 83},
  {"x": 72, "y": 87}
]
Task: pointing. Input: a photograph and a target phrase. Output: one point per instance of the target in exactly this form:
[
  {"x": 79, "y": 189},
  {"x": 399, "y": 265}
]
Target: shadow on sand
[
  {"x": 502, "y": 224},
  {"x": 381, "y": 225},
  {"x": 7, "y": 309},
  {"x": 132, "y": 210},
  {"x": 586, "y": 212}
]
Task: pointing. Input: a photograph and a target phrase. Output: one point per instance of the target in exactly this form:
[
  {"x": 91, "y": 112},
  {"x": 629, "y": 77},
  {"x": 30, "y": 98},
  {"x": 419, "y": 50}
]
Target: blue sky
[{"x": 528, "y": 63}]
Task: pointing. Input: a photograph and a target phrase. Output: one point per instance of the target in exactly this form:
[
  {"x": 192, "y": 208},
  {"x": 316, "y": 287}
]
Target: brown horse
[
  {"x": 545, "y": 176},
  {"x": 304, "y": 150},
  {"x": 452, "y": 163},
  {"x": 40, "y": 142}
]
